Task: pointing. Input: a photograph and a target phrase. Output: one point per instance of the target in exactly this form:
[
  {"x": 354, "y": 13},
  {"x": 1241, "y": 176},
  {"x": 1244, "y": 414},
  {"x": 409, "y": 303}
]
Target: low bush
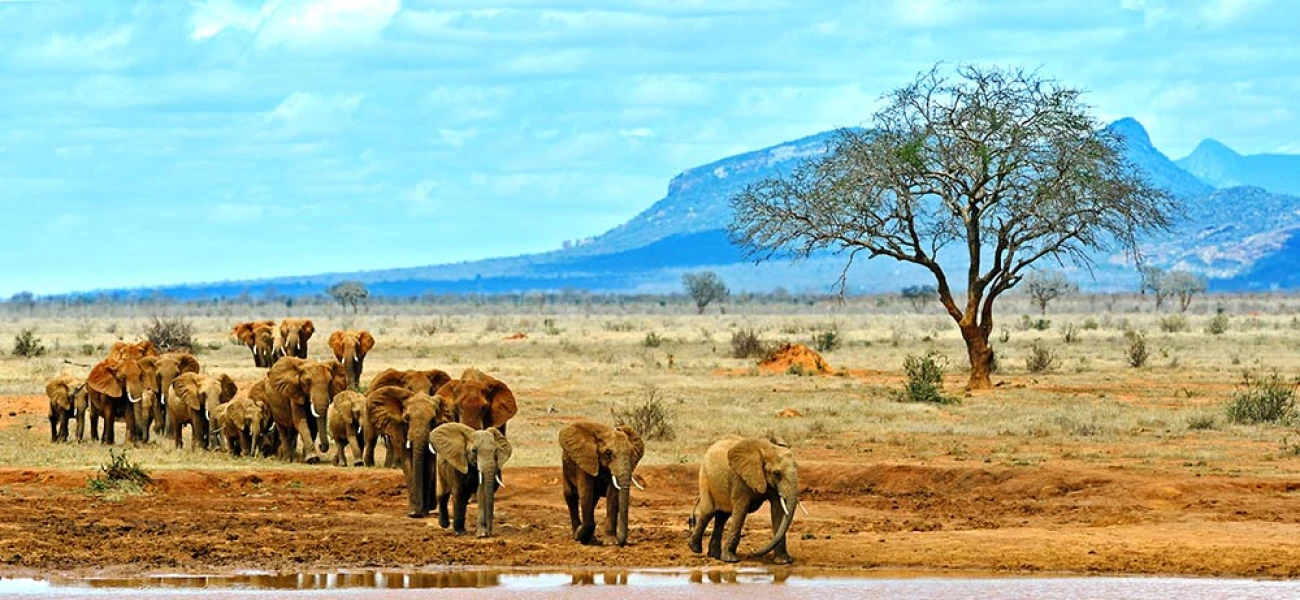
[
  {"x": 826, "y": 341},
  {"x": 119, "y": 475},
  {"x": 1040, "y": 358},
  {"x": 1136, "y": 352},
  {"x": 1267, "y": 399},
  {"x": 1174, "y": 324},
  {"x": 650, "y": 418},
  {"x": 171, "y": 334},
  {"x": 27, "y": 345},
  {"x": 1218, "y": 325},
  {"x": 924, "y": 379},
  {"x": 652, "y": 340},
  {"x": 745, "y": 344}
]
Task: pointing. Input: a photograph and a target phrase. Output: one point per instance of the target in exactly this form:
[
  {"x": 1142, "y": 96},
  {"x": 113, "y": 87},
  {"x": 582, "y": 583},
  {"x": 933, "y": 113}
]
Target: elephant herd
[{"x": 447, "y": 435}]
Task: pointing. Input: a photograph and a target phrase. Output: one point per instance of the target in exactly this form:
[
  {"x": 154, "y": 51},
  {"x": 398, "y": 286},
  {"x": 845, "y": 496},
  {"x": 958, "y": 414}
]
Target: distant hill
[
  {"x": 1240, "y": 236},
  {"x": 1221, "y": 166}
]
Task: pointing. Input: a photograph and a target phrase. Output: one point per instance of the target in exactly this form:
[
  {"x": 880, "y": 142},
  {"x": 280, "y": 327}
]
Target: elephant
[
  {"x": 68, "y": 400},
  {"x": 469, "y": 463},
  {"x": 596, "y": 457},
  {"x": 347, "y": 421},
  {"x": 195, "y": 404},
  {"x": 481, "y": 400},
  {"x": 737, "y": 476},
  {"x": 160, "y": 371},
  {"x": 350, "y": 348},
  {"x": 294, "y": 334},
  {"x": 407, "y": 418},
  {"x": 136, "y": 351},
  {"x": 116, "y": 386},
  {"x": 299, "y": 395},
  {"x": 243, "y": 422},
  {"x": 417, "y": 381},
  {"x": 259, "y": 336}
]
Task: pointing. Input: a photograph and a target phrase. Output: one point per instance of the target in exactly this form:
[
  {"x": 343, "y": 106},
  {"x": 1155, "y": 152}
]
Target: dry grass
[{"x": 1093, "y": 408}]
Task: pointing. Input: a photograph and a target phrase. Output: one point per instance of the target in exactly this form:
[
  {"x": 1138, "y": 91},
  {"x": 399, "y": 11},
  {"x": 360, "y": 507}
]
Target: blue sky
[{"x": 166, "y": 141}]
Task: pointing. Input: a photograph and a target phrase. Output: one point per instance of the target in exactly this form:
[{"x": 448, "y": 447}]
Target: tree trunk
[{"x": 981, "y": 356}]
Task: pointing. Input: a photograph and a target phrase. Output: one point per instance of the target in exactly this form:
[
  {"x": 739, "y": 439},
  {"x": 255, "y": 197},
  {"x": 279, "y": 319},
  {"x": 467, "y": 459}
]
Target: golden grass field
[{"x": 1158, "y": 427}]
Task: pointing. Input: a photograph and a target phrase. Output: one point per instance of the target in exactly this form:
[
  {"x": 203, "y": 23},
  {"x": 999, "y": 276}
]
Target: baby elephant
[
  {"x": 243, "y": 422},
  {"x": 68, "y": 400},
  {"x": 347, "y": 416},
  {"x": 736, "y": 477},
  {"x": 598, "y": 463},
  {"x": 469, "y": 462}
]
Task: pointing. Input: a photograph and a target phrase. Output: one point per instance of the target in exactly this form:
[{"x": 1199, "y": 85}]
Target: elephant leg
[
  {"x": 305, "y": 434},
  {"x": 368, "y": 453},
  {"x": 699, "y": 522},
  {"x": 715, "y": 540},
  {"x": 54, "y": 428},
  {"x": 611, "y": 511},
  {"x": 587, "y": 502},
  {"x": 245, "y": 442},
  {"x": 390, "y": 456},
  {"x": 340, "y": 459},
  {"x": 571, "y": 499},
  {"x": 81, "y": 424},
  {"x": 176, "y": 434},
  {"x": 354, "y": 445},
  {"x": 735, "y": 524},
  {"x": 63, "y": 427},
  {"x": 444, "y": 519},
  {"x": 285, "y": 449},
  {"x": 780, "y": 555},
  {"x": 198, "y": 435},
  {"x": 109, "y": 424},
  {"x": 459, "y": 505},
  {"x": 132, "y": 431}
]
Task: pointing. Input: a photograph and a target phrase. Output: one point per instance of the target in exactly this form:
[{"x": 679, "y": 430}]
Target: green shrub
[
  {"x": 924, "y": 379},
  {"x": 652, "y": 340},
  {"x": 119, "y": 474},
  {"x": 745, "y": 344},
  {"x": 548, "y": 326},
  {"x": 620, "y": 326},
  {"x": 1040, "y": 358},
  {"x": 1218, "y": 325},
  {"x": 826, "y": 341},
  {"x": 1202, "y": 422},
  {"x": 651, "y": 418},
  {"x": 1262, "y": 400},
  {"x": 171, "y": 334},
  {"x": 27, "y": 345},
  {"x": 1070, "y": 333},
  {"x": 1136, "y": 352},
  {"x": 1174, "y": 324},
  {"x": 1090, "y": 324}
]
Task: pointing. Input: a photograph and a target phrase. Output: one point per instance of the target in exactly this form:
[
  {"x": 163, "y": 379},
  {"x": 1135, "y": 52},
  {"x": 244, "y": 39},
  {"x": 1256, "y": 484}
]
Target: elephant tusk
[
  {"x": 162, "y": 398},
  {"x": 500, "y": 484},
  {"x": 431, "y": 450},
  {"x": 313, "y": 409},
  {"x": 805, "y": 511},
  {"x": 638, "y": 484},
  {"x": 408, "y": 444},
  {"x": 480, "y": 478},
  {"x": 614, "y": 480},
  {"x": 784, "y": 507},
  {"x": 132, "y": 398}
]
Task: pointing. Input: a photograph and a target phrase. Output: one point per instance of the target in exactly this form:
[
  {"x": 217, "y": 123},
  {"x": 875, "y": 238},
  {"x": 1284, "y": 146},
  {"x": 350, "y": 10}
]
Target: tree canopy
[
  {"x": 1005, "y": 166},
  {"x": 704, "y": 288},
  {"x": 349, "y": 293}
]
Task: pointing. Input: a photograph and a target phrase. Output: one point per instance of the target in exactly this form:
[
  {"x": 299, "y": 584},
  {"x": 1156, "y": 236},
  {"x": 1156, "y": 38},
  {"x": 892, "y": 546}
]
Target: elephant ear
[
  {"x": 336, "y": 344},
  {"x": 186, "y": 363},
  {"x": 286, "y": 376},
  {"x": 58, "y": 389},
  {"x": 501, "y": 403},
  {"x": 449, "y": 441},
  {"x": 103, "y": 379},
  {"x": 228, "y": 388},
  {"x": 387, "y": 377},
  {"x": 186, "y": 387},
  {"x": 638, "y": 444},
  {"x": 746, "y": 460},
  {"x": 387, "y": 403},
  {"x": 307, "y": 329},
  {"x": 149, "y": 365},
  {"x": 578, "y": 441},
  {"x": 437, "y": 378},
  {"x": 338, "y": 377},
  {"x": 244, "y": 333},
  {"x": 259, "y": 393},
  {"x": 504, "y": 449},
  {"x": 365, "y": 341}
]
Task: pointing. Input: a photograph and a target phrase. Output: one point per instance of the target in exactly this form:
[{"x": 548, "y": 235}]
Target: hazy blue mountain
[
  {"x": 1239, "y": 236},
  {"x": 1221, "y": 166}
]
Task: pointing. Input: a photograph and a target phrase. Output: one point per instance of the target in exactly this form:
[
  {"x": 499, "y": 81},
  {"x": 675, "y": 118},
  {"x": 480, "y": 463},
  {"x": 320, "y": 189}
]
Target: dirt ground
[{"x": 881, "y": 516}]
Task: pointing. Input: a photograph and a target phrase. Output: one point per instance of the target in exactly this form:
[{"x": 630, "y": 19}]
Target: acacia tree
[
  {"x": 1045, "y": 286},
  {"x": 1153, "y": 280},
  {"x": 1008, "y": 167},
  {"x": 349, "y": 292},
  {"x": 1183, "y": 285},
  {"x": 704, "y": 288}
]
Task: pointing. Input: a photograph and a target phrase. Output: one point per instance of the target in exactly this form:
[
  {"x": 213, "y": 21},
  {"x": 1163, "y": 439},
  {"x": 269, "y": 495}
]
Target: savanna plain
[{"x": 1088, "y": 464}]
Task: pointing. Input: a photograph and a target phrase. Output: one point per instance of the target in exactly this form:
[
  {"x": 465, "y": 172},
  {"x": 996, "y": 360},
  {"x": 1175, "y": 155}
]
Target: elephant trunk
[
  {"x": 778, "y": 536},
  {"x": 624, "y": 498},
  {"x": 487, "y": 491},
  {"x": 417, "y": 481}
]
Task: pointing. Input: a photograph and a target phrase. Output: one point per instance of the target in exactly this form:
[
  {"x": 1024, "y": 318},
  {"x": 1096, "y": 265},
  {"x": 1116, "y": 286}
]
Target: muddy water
[{"x": 650, "y": 584}]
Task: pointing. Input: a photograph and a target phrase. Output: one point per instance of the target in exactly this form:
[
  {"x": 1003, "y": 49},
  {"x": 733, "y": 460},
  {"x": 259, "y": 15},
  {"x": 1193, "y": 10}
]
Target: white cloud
[
  {"x": 326, "y": 22},
  {"x": 1214, "y": 13},
  {"x": 637, "y": 133},
  {"x": 658, "y": 90},
  {"x": 455, "y": 138},
  {"x": 929, "y": 13},
  {"x": 214, "y": 16},
  {"x": 104, "y": 50},
  {"x": 308, "y": 108},
  {"x": 420, "y": 197}
]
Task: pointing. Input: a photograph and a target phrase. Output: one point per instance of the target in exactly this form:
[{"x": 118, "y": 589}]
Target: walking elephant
[
  {"x": 469, "y": 464},
  {"x": 481, "y": 400},
  {"x": 116, "y": 386},
  {"x": 243, "y": 422},
  {"x": 407, "y": 418},
  {"x": 350, "y": 348},
  {"x": 68, "y": 400},
  {"x": 598, "y": 462},
  {"x": 195, "y": 404},
  {"x": 737, "y": 476},
  {"x": 294, "y": 334},
  {"x": 299, "y": 394},
  {"x": 347, "y": 421},
  {"x": 160, "y": 372},
  {"x": 259, "y": 337}
]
